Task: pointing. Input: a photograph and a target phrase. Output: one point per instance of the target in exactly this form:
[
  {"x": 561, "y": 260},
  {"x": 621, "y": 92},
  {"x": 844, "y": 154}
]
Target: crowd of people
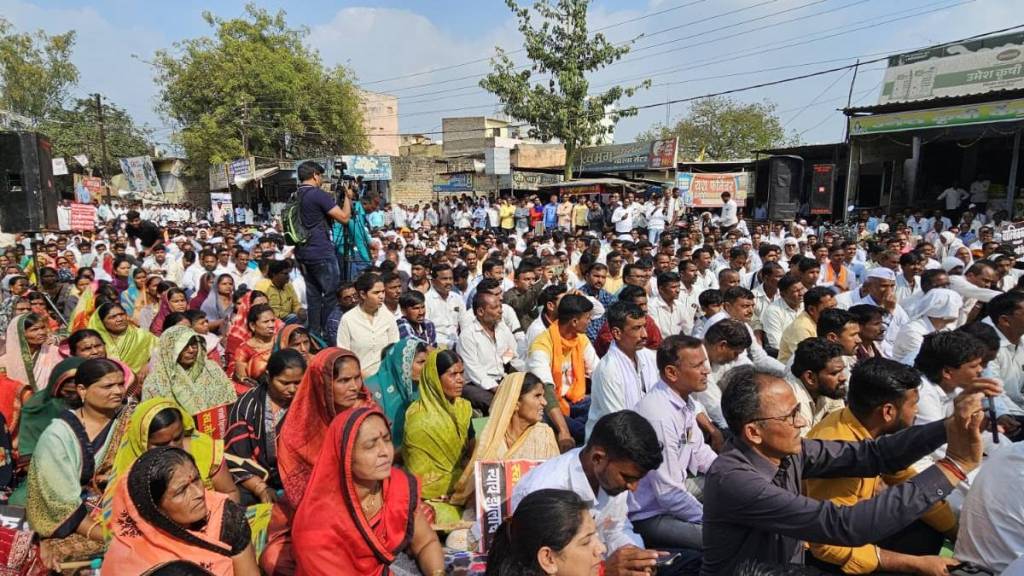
[{"x": 698, "y": 392}]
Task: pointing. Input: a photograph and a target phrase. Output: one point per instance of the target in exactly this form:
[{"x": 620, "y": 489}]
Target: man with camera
[{"x": 317, "y": 258}]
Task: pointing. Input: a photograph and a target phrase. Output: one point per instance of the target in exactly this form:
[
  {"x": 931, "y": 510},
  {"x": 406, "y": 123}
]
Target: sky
[{"x": 432, "y": 53}]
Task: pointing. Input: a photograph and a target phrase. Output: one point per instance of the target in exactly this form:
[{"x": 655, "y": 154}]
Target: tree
[
  {"x": 76, "y": 131},
  {"x": 36, "y": 72},
  {"x": 561, "y": 46},
  {"x": 255, "y": 89},
  {"x": 720, "y": 128}
]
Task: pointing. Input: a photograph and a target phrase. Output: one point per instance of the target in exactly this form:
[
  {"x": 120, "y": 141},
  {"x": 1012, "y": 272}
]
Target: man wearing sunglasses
[{"x": 753, "y": 507}]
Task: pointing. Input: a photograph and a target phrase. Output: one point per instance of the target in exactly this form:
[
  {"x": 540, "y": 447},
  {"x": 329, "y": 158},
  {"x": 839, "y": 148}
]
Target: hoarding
[
  {"x": 704, "y": 190},
  {"x": 652, "y": 155}
]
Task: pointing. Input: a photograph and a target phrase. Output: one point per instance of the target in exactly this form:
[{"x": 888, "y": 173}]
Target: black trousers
[{"x": 918, "y": 539}]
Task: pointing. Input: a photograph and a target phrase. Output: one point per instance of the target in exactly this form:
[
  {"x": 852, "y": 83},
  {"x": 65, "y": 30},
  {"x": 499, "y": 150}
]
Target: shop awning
[
  {"x": 587, "y": 182},
  {"x": 993, "y": 111}
]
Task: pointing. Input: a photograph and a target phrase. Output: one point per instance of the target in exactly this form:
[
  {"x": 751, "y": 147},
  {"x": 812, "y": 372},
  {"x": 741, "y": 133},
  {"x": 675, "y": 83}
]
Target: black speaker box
[
  {"x": 785, "y": 180},
  {"x": 28, "y": 199}
]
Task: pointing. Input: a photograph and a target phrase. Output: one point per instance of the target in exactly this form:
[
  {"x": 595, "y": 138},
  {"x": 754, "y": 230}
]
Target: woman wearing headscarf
[
  {"x": 174, "y": 300},
  {"x": 254, "y": 423},
  {"x": 183, "y": 373},
  {"x": 13, "y": 306},
  {"x": 514, "y": 431},
  {"x": 218, "y": 304},
  {"x": 250, "y": 358},
  {"x": 31, "y": 355},
  {"x": 124, "y": 341},
  {"x": 160, "y": 516},
  {"x": 147, "y": 305},
  {"x": 395, "y": 385},
  {"x": 39, "y": 411},
  {"x": 938, "y": 309},
  {"x": 134, "y": 289},
  {"x": 332, "y": 384},
  {"x": 362, "y": 517},
  {"x": 238, "y": 333},
  {"x": 205, "y": 284},
  {"x": 438, "y": 433},
  {"x": 297, "y": 337},
  {"x": 72, "y": 463}
]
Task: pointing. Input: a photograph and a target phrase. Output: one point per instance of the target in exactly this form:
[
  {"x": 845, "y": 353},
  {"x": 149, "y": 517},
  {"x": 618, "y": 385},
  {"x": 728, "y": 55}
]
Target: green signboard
[{"x": 951, "y": 116}]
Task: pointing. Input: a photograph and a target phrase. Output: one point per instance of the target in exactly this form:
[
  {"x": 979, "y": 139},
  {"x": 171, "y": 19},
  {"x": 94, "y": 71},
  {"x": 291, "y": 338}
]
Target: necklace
[{"x": 374, "y": 502}]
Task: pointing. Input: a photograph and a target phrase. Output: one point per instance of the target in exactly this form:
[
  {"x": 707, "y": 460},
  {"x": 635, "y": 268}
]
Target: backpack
[{"x": 295, "y": 232}]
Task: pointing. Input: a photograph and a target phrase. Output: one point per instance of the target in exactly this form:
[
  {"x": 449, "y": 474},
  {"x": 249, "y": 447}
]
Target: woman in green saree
[
  {"x": 438, "y": 437},
  {"x": 395, "y": 385},
  {"x": 124, "y": 341},
  {"x": 72, "y": 463},
  {"x": 184, "y": 373}
]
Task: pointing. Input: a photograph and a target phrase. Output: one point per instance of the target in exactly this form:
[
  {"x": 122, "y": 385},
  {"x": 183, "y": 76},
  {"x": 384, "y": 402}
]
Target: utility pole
[
  {"x": 103, "y": 142},
  {"x": 849, "y": 100}
]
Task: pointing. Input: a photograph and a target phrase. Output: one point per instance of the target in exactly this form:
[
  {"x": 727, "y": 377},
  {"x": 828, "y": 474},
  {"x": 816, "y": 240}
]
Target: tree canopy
[
  {"x": 254, "y": 88},
  {"x": 36, "y": 72},
  {"x": 720, "y": 128},
  {"x": 75, "y": 130},
  {"x": 562, "y": 48}
]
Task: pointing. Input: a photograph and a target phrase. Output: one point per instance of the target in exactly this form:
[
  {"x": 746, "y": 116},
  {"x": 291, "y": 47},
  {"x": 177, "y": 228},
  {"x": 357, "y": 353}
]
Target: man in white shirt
[
  {"x": 488, "y": 351},
  {"x": 724, "y": 343},
  {"x": 908, "y": 280},
  {"x": 628, "y": 371},
  {"x": 622, "y": 219},
  {"x": 953, "y": 196},
  {"x": 990, "y": 532},
  {"x": 240, "y": 271},
  {"x": 668, "y": 312},
  {"x": 1006, "y": 315},
  {"x": 621, "y": 450},
  {"x": 706, "y": 277},
  {"x": 443, "y": 305},
  {"x": 159, "y": 263},
  {"x": 729, "y": 217},
  {"x": 781, "y": 313}
]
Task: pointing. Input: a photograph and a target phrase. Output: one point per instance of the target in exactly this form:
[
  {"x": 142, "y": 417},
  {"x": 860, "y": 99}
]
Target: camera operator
[{"x": 317, "y": 258}]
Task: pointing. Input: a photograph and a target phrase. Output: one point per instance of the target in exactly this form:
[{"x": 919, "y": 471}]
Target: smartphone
[{"x": 667, "y": 560}]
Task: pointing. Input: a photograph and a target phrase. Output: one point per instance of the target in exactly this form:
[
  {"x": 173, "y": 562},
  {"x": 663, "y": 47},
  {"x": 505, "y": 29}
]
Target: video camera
[{"x": 339, "y": 172}]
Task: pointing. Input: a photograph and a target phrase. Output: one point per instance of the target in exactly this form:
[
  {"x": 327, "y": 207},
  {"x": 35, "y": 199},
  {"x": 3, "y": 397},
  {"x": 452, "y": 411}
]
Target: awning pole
[{"x": 1011, "y": 187}]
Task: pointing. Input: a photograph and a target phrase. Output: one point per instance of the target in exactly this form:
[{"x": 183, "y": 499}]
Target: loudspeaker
[
  {"x": 27, "y": 195},
  {"x": 785, "y": 180},
  {"x": 823, "y": 182}
]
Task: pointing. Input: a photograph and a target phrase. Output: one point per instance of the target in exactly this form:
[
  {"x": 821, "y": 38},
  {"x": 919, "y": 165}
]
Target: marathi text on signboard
[
  {"x": 141, "y": 175},
  {"x": 520, "y": 180},
  {"x": 950, "y": 116},
  {"x": 83, "y": 217},
  {"x": 984, "y": 65},
  {"x": 371, "y": 168},
  {"x": 213, "y": 421},
  {"x": 495, "y": 480},
  {"x": 704, "y": 190},
  {"x": 654, "y": 155},
  {"x": 462, "y": 182},
  {"x": 1014, "y": 236}
]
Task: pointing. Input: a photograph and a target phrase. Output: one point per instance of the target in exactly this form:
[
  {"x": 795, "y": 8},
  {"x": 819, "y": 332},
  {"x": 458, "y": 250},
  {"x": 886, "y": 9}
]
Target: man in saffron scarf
[{"x": 563, "y": 358}]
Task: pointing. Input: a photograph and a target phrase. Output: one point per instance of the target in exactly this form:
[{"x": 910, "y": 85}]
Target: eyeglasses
[{"x": 790, "y": 418}]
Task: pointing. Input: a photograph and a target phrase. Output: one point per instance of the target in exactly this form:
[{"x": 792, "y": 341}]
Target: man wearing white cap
[{"x": 879, "y": 289}]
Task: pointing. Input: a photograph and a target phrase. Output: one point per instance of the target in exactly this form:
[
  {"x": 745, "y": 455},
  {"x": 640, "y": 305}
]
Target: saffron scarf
[
  {"x": 551, "y": 341},
  {"x": 330, "y": 528}
]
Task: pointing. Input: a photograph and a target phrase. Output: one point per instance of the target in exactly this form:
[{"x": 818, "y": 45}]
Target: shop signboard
[
  {"x": 461, "y": 182},
  {"x": 948, "y": 117},
  {"x": 371, "y": 168},
  {"x": 978, "y": 66},
  {"x": 704, "y": 190},
  {"x": 219, "y": 176},
  {"x": 521, "y": 180},
  {"x": 651, "y": 155}
]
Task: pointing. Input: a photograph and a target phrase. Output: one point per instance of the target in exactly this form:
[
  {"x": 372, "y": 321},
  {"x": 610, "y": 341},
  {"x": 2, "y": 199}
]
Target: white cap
[{"x": 882, "y": 273}]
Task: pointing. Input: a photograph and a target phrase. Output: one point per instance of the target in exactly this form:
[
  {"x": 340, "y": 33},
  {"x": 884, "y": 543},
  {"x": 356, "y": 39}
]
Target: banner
[
  {"x": 242, "y": 168},
  {"x": 219, "y": 177},
  {"x": 704, "y": 190},
  {"x": 978, "y": 66},
  {"x": 94, "y": 184},
  {"x": 82, "y": 159},
  {"x": 60, "y": 166},
  {"x": 83, "y": 217},
  {"x": 654, "y": 155},
  {"x": 462, "y": 182},
  {"x": 982, "y": 113},
  {"x": 521, "y": 180},
  {"x": 371, "y": 168},
  {"x": 494, "y": 483},
  {"x": 141, "y": 175},
  {"x": 213, "y": 421}
]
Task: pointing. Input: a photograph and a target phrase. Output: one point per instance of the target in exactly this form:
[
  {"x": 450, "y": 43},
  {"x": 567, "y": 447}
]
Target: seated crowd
[{"x": 717, "y": 401}]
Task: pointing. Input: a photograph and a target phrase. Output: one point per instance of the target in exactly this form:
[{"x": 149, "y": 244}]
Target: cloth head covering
[
  {"x": 536, "y": 442},
  {"x": 311, "y": 412},
  {"x": 883, "y": 273},
  {"x": 201, "y": 387},
  {"x": 239, "y": 331},
  {"x": 436, "y": 433},
  {"x": 133, "y": 346},
  {"x": 283, "y": 335},
  {"x": 21, "y": 366},
  {"x": 136, "y": 438},
  {"x": 45, "y": 405},
  {"x": 937, "y": 303},
  {"x": 330, "y": 528},
  {"x": 157, "y": 325},
  {"x": 10, "y": 302},
  {"x": 144, "y": 537},
  {"x": 951, "y": 262},
  {"x": 393, "y": 387}
]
